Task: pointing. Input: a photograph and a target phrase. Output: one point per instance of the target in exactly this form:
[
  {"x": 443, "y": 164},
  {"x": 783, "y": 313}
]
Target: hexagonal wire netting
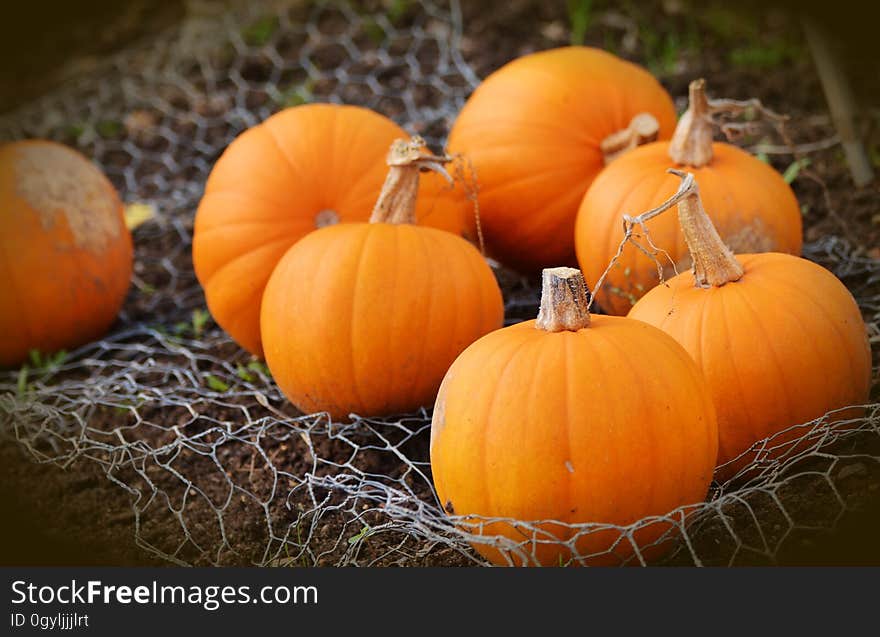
[{"x": 218, "y": 467}]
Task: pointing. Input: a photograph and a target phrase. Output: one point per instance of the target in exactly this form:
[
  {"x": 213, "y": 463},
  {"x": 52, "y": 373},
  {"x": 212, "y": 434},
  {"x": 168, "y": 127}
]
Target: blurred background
[{"x": 43, "y": 43}]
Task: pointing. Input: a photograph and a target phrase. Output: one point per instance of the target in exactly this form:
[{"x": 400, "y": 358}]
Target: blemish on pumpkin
[
  {"x": 438, "y": 421},
  {"x": 750, "y": 239},
  {"x": 57, "y": 181},
  {"x": 326, "y": 217},
  {"x": 449, "y": 508},
  {"x": 569, "y": 466}
]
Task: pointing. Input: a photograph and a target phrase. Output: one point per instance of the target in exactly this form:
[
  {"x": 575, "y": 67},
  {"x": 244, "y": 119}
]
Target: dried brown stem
[
  {"x": 564, "y": 305},
  {"x": 397, "y": 201},
  {"x": 691, "y": 144},
  {"x": 713, "y": 262},
  {"x": 643, "y": 128}
]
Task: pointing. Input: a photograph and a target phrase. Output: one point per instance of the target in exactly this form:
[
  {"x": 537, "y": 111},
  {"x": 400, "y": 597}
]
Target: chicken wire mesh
[{"x": 218, "y": 467}]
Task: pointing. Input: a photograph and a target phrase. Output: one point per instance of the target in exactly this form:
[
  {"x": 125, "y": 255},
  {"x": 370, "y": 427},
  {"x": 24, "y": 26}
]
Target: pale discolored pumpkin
[{"x": 65, "y": 253}]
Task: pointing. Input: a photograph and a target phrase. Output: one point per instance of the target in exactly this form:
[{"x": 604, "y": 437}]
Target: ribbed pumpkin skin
[
  {"x": 619, "y": 403},
  {"x": 532, "y": 130},
  {"x": 268, "y": 188},
  {"x": 65, "y": 253},
  {"x": 780, "y": 347},
  {"x": 366, "y": 318},
  {"x": 752, "y": 207}
]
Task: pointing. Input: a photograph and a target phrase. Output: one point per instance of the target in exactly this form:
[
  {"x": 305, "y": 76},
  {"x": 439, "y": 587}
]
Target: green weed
[
  {"x": 196, "y": 325},
  {"x": 260, "y": 368},
  {"x": 397, "y": 10},
  {"x": 108, "y": 128},
  {"x": 579, "y": 18},
  {"x": 300, "y": 94},
  {"x": 364, "y": 533},
  {"x": 260, "y": 31},
  {"x": 874, "y": 153},
  {"x": 199, "y": 320},
  {"x": 728, "y": 25},
  {"x": 662, "y": 52},
  {"x": 21, "y": 385},
  {"x": 244, "y": 374},
  {"x": 374, "y": 31},
  {"x": 794, "y": 168},
  {"x": 39, "y": 365},
  {"x": 760, "y": 56},
  {"x": 216, "y": 384},
  {"x": 49, "y": 361},
  {"x": 75, "y": 130}
]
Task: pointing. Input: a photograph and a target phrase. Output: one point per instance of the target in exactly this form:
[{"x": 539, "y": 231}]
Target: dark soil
[
  {"x": 45, "y": 43},
  {"x": 55, "y": 517},
  {"x": 76, "y": 516}
]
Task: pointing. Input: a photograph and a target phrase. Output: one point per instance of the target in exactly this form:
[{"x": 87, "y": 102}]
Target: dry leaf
[{"x": 137, "y": 214}]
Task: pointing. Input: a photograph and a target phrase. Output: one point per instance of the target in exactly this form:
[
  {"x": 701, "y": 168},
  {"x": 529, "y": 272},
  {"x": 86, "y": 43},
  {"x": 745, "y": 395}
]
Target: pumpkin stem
[
  {"x": 643, "y": 128},
  {"x": 564, "y": 305},
  {"x": 406, "y": 159},
  {"x": 691, "y": 144},
  {"x": 713, "y": 262}
]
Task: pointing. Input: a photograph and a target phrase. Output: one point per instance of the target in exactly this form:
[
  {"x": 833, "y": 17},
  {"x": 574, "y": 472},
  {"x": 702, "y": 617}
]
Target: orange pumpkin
[
  {"x": 67, "y": 253},
  {"x": 574, "y": 419},
  {"x": 367, "y": 317},
  {"x": 751, "y": 205},
  {"x": 780, "y": 339},
  {"x": 303, "y": 168},
  {"x": 538, "y": 131}
]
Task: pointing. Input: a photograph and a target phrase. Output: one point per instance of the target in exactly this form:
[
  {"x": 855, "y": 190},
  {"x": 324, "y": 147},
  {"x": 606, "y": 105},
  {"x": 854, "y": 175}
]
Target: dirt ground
[{"x": 75, "y": 516}]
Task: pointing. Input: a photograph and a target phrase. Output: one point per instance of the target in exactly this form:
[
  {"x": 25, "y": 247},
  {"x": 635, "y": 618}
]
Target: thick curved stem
[
  {"x": 713, "y": 262},
  {"x": 406, "y": 159},
  {"x": 564, "y": 303},
  {"x": 643, "y": 128}
]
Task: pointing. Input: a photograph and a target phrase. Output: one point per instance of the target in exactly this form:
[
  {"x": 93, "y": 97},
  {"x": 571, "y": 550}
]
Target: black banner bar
[{"x": 126, "y": 601}]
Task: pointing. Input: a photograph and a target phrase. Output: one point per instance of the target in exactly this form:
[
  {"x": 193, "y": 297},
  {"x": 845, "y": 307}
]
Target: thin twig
[
  {"x": 800, "y": 149},
  {"x": 687, "y": 187},
  {"x": 471, "y": 186}
]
